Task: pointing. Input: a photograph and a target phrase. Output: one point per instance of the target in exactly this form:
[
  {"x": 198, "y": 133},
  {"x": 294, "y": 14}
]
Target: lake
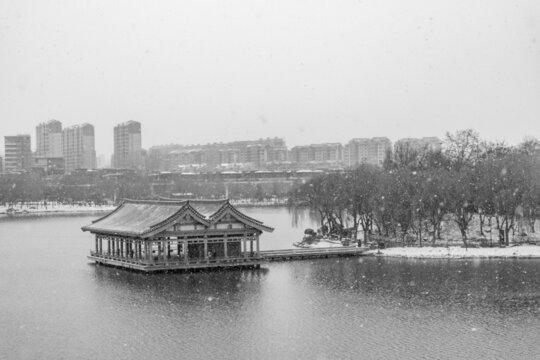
[{"x": 55, "y": 304}]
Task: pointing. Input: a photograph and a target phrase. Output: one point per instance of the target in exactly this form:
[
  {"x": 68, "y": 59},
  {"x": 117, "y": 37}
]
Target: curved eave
[
  {"x": 159, "y": 227},
  {"x": 244, "y": 216},
  {"x": 241, "y": 216},
  {"x": 262, "y": 227},
  {"x": 116, "y": 233},
  {"x": 109, "y": 214}
]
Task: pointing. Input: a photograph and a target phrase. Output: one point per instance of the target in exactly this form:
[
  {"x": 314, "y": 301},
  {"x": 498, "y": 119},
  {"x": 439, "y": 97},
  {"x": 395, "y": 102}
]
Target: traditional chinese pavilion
[{"x": 168, "y": 235}]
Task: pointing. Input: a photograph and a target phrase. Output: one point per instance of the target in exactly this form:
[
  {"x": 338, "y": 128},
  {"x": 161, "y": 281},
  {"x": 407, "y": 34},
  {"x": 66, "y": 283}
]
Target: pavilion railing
[{"x": 178, "y": 260}]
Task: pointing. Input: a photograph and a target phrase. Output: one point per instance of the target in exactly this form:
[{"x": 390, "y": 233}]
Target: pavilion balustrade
[{"x": 181, "y": 249}]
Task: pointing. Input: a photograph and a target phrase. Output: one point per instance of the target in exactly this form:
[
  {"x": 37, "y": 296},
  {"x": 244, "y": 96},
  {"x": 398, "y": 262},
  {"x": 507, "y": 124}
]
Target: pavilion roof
[{"x": 144, "y": 218}]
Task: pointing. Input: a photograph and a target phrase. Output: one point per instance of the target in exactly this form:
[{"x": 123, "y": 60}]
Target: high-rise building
[
  {"x": 127, "y": 145},
  {"x": 78, "y": 147},
  {"x": 49, "y": 139},
  {"x": 18, "y": 153},
  {"x": 48, "y": 154},
  {"x": 367, "y": 151}
]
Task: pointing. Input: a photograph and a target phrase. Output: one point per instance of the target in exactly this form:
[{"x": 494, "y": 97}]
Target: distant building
[
  {"x": 78, "y": 147},
  {"x": 419, "y": 144},
  {"x": 48, "y": 156},
  {"x": 367, "y": 151},
  {"x": 252, "y": 154},
  {"x": 18, "y": 153},
  {"x": 127, "y": 146},
  {"x": 50, "y": 165},
  {"x": 102, "y": 161},
  {"x": 49, "y": 139},
  {"x": 1, "y": 165},
  {"x": 318, "y": 155}
]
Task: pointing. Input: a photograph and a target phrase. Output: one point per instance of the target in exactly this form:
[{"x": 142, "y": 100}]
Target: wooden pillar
[
  {"x": 145, "y": 245},
  {"x": 101, "y": 245},
  {"x": 205, "y": 248},
  {"x": 149, "y": 247},
  {"x": 225, "y": 250},
  {"x": 257, "y": 244},
  {"x": 163, "y": 251},
  {"x": 113, "y": 246},
  {"x": 162, "y": 245},
  {"x": 97, "y": 244},
  {"x": 108, "y": 245},
  {"x": 186, "y": 257},
  {"x": 251, "y": 247},
  {"x": 244, "y": 246},
  {"x": 122, "y": 247}
]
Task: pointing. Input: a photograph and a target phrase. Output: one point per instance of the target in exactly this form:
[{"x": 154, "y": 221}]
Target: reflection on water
[{"x": 55, "y": 304}]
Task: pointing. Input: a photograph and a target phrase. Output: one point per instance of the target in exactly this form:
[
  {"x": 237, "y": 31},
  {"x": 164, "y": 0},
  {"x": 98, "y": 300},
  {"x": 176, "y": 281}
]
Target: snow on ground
[
  {"x": 525, "y": 251},
  {"x": 55, "y": 208},
  {"x": 324, "y": 244}
]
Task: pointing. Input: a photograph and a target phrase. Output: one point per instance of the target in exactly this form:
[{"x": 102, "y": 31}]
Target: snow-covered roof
[{"x": 143, "y": 218}]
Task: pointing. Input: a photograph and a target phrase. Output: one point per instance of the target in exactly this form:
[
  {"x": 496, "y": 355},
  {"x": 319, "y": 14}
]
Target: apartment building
[
  {"x": 127, "y": 146},
  {"x": 17, "y": 153},
  {"x": 367, "y": 151},
  {"x": 78, "y": 147}
]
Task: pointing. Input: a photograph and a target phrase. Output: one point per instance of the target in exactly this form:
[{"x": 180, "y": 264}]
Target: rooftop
[{"x": 144, "y": 218}]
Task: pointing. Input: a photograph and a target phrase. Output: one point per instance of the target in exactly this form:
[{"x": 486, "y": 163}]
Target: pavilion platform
[{"x": 174, "y": 235}]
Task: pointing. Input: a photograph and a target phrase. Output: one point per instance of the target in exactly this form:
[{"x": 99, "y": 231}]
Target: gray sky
[{"x": 309, "y": 71}]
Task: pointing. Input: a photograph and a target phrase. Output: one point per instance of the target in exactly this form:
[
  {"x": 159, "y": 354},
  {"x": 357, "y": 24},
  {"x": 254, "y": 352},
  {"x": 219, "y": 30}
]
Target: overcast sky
[{"x": 309, "y": 71}]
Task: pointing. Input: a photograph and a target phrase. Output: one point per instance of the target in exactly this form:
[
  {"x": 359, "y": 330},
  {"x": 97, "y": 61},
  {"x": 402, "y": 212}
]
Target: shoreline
[
  {"x": 457, "y": 252},
  {"x": 63, "y": 209},
  {"x": 55, "y": 210}
]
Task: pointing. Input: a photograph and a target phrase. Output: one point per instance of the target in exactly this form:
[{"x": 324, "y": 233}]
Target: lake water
[{"x": 55, "y": 304}]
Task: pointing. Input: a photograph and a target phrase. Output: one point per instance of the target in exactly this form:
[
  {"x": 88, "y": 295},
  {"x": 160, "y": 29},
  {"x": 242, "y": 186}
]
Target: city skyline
[
  {"x": 66, "y": 149},
  {"x": 110, "y": 133},
  {"x": 310, "y": 73}
]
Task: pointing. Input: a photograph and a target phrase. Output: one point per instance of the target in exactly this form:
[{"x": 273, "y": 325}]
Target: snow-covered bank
[
  {"x": 323, "y": 244},
  {"x": 525, "y": 251},
  {"x": 256, "y": 203},
  {"x": 55, "y": 208}
]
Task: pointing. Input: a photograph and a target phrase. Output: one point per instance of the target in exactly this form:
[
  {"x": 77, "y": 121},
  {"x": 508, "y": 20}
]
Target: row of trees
[
  {"x": 417, "y": 189},
  {"x": 76, "y": 187},
  {"x": 98, "y": 188}
]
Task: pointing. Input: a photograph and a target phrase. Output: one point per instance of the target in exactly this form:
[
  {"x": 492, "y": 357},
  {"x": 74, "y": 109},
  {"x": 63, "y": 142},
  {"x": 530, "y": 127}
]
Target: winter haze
[{"x": 308, "y": 71}]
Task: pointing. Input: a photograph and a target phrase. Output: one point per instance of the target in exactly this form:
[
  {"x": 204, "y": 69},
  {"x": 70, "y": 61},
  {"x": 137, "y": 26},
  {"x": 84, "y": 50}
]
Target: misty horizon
[{"x": 195, "y": 73}]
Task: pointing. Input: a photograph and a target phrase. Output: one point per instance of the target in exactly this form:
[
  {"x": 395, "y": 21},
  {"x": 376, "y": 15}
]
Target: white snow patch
[
  {"x": 526, "y": 251},
  {"x": 52, "y": 208}
]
